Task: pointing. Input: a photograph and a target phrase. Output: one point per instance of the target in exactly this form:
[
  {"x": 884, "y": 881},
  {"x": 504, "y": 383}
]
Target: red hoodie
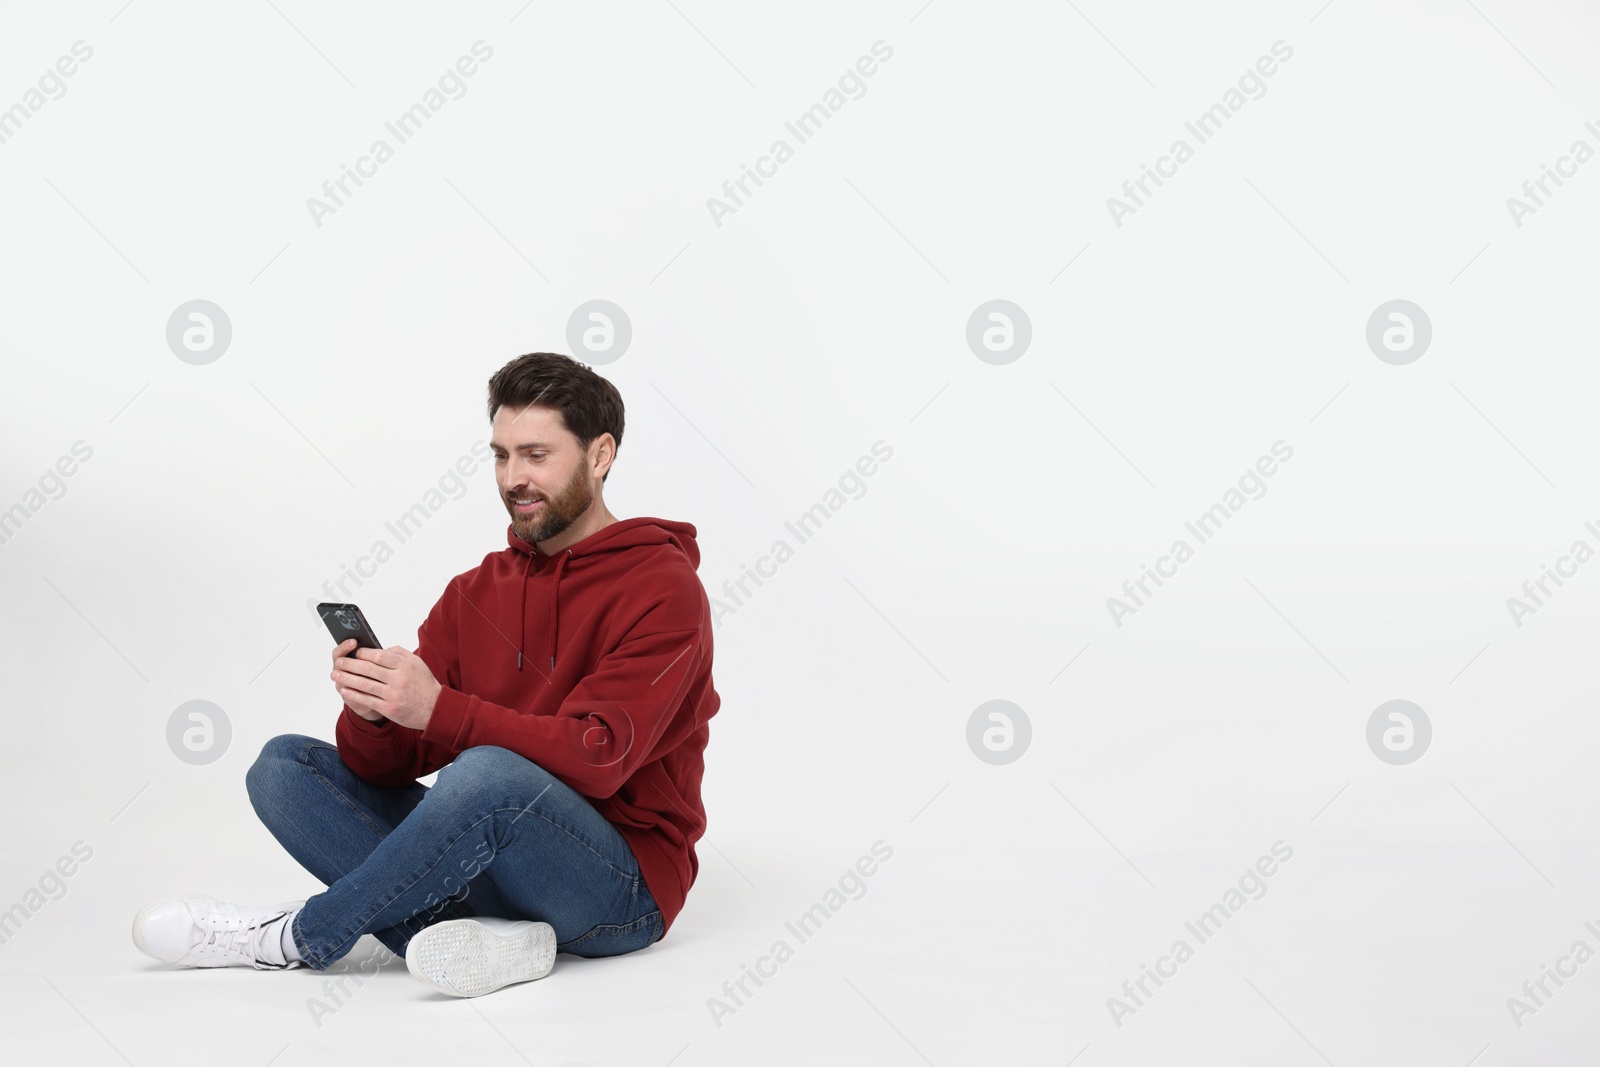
[{"x": 605, "y": 683}]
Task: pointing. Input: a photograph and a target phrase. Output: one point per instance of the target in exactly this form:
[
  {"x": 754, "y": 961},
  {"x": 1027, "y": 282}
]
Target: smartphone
[{"x": 345, "y": 621}]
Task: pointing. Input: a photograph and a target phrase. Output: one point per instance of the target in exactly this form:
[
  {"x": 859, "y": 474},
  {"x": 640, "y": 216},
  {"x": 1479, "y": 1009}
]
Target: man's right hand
[{"x": 342, "y": 649}]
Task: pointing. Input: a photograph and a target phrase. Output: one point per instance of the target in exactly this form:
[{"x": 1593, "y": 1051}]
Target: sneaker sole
[{"x": 464, "y": 958}]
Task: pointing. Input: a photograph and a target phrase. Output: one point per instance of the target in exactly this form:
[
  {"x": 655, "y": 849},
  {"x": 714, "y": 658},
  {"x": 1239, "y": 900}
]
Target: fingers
[
  {"x": 365, "y": 666},
  {"x": 355, "y": 668},
  {"x": 361, "y": 704},
  {"x": 363, "y": 689},
  {"x": 351, "y": 686},
  {"x": 360, "y": 683},
  {"x": 367, "y": 678}
]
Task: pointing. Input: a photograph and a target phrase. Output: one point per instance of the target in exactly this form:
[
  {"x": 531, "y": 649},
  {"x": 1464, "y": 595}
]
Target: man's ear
[{"x": 605, "y": 449}]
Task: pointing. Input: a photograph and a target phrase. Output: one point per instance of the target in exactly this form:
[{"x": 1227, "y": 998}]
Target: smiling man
[{"x": 562, "y": 689}]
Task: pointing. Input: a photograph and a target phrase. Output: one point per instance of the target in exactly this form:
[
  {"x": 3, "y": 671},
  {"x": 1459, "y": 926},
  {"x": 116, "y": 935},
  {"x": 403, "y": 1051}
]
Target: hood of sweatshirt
[{"x": 619, "y": 536}]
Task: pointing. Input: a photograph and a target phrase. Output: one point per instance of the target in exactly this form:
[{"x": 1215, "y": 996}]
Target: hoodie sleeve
[
  {"x": 386, "y": 753},
  {"x": 378, "y": 753},
  {"x": 606, "y": 728}
]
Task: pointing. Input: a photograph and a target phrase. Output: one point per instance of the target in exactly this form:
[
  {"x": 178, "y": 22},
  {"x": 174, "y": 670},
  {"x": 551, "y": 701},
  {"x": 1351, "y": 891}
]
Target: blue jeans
[{"x": 497, "y": 835}]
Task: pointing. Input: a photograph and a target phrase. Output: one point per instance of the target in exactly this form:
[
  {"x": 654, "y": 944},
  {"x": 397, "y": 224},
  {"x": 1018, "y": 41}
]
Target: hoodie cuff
[
  {"x": 448, "y": 719},
  {"x": 366, "y": 726}
]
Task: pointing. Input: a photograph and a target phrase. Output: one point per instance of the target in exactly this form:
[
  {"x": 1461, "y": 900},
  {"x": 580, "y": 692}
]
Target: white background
[{"x": 769, "y": 353}]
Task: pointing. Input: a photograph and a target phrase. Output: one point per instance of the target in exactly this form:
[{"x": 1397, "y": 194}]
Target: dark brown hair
[{"x": 589, "y": 404}]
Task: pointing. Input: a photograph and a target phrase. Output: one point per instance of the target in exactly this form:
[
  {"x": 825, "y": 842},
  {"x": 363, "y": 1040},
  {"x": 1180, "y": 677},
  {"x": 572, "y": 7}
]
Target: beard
[{"x": 558, "y": 513}]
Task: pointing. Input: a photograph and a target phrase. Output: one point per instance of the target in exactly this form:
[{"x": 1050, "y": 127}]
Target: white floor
[{"x": 981, "y": 940}]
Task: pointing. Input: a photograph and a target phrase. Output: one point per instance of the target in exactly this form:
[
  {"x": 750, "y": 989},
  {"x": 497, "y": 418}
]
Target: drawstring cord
[
  {"x": 555, "y": 590},
  {"x": 522, "y": 627}
]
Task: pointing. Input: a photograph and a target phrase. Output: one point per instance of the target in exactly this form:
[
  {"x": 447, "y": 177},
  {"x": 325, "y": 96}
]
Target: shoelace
[{"x": 249, "y": 941}]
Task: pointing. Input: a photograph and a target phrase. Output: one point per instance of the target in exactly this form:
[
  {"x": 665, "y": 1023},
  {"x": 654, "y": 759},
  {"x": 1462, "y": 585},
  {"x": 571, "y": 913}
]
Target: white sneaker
[
  {"x": 471, "y": 957},
  {"x": 203, "y": 932}
]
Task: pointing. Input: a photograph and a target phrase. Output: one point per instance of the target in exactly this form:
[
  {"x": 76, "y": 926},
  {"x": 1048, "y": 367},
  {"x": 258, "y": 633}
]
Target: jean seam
[
  {"x": 338, "y": 793},
  {"x": 642, "y": 921},
  {"x": 590, "y": 847}
]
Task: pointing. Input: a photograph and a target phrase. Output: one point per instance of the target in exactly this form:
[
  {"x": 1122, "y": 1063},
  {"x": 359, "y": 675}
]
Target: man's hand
[
  {"x": 392, "y": 683},
  {"x": 339, "y": 652}
]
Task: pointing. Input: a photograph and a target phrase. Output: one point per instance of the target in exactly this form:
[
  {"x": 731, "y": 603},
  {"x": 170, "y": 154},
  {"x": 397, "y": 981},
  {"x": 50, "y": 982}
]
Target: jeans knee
[
  {"x": 483, "y": 760},
  {"x": 484, "y": 768},
  {"x": 278, "y": 755}
]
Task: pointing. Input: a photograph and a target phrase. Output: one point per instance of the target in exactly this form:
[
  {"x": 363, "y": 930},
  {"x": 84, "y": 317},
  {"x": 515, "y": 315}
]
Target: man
[{"x": 562, "y": 690}]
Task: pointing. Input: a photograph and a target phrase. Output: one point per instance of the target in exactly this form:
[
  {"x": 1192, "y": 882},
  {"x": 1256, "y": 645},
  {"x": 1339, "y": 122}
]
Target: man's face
[{"x": 542, "y": 473}]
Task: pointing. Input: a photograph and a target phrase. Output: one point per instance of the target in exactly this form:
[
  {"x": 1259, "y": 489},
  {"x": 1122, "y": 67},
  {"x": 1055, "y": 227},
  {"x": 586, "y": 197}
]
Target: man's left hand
[{"x": 394, "y": 682}]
